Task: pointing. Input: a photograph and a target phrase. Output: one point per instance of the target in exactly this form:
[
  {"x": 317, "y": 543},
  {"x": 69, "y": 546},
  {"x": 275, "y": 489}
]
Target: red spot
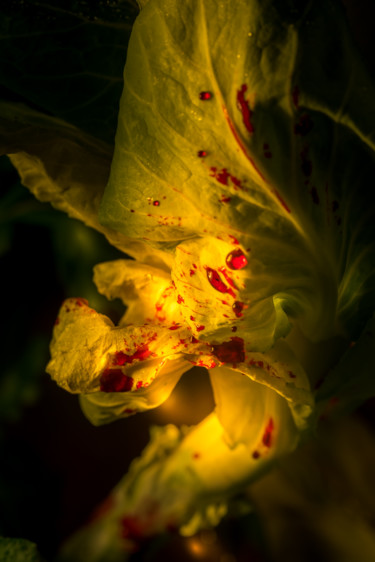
[
  {"x": 266, "y": 151},
  {"x": 192, "y": 318},
  {"x": 314, "y": 195},
  {"x": 195, "y": 266},
  {"x": 196, "y": 456},
  {"x": 216, "y": 281},
  {"x": 224, "y": 199},
  {"x": 267, "y": 435},
  {"x": 192, "y": 272},
  {"x": 304, "y": 125},
  {"x": 256, "y": 455},
  {"x": 202, "y": 154},
  {"x": 180, "y": 299},
  {"x": 205, "y": 96},
  {"x": 174, "y": 326},
  {"x": 295, "y": 97},
  {"x": 230, "y": 351},
  {"x": 236, "y": 259},
  {"x": 292, "y": 375},
  {"x": 156, "y": 203},
  {"x": 234, "y": 328},
  {"x": 221, "y": 176},
  {"x": 238, "y": 308},
  {"x": 234, "y": 240},
  {"x": 243, "y": 106},
  {"x": 228, "y": 280},
  {"x": 132, "y": 211},
  {"x": 114, "y": 380},
  {"x": 141, "y": 354},
  {"x": 139, "y": 385},
  {"x": 194, "y": 340},
  {"x": 200, "y": 328}
]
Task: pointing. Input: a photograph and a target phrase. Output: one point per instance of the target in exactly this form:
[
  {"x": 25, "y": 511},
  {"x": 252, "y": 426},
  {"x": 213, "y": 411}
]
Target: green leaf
[
  {"x": 66, "y": 57},
  {"x": 288, "y": 138},
  {"x": 18, "y": 550}
]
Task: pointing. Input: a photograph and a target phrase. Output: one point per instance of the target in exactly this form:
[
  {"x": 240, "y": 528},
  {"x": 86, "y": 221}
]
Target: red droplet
[
  {"x": 238, "y": 308},
  {"x": 200, "y": 328},
  {"x": 156, "y": 203},
  {"x": 180, "y": 299},
  {"x": 243, "y": 106},
  {"x": 205, "y": 96},
  {"x": 114, "y": 380},
  {"x": 202, "y": 153},
  {"x": 216, "y": 281},
  {"x": 267, "y": 435},
  {"x": 236, "y": 259},
  {"x": 230, "y": 351},
  {"x": 304, "y": 125}
]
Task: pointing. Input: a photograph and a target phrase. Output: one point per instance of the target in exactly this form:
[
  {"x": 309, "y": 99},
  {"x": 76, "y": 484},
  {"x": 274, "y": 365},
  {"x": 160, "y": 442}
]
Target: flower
[{"x": 233, "y": 190}]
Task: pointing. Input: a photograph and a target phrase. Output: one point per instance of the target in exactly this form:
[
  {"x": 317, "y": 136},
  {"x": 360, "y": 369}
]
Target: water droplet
[
  {"x": 156, "y": 203},
  {"x": 236, "y": 259},
  {"x": 205, "y": 96}
]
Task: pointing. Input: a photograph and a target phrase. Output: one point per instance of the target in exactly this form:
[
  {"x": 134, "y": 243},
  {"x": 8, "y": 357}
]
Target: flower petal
[{"x": 147, "y": 291}]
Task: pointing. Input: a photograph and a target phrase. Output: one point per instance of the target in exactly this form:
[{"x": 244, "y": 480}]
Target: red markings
[
  {"x": 228, "y": 280},
  {"x": 114, "y": 380},
  {"x": 256, "y": 455},
  {"x": 192, "y": 318},
  {"x": 236, "y": 259},
  {"x": 200, "y": 328},
  {"x": 223, "y": 177},
  {"x": 237, "y": 308},
  {"x": 267, "y": 435},
  {"x": 180, "y": 299},
  {"x": 304, "y": 125},
  {"x": 234, "y": 328},
  {"x": 192, "y": 272},
  {"x": 243, "y": 106},
  {"x": 196, "y": 455},
  {"x": 224, "y": 199},
  {"x": 216, "y": 281},
  {"x": 82, "y": 302},
  {"x": 141, "y": 354},
  {"x": 174, "y": 326},
  {"x": 194, "y": 340},
  {"x": 202, "y": 153},
  {"x": 205, "y": 96},
  {"x": 230, "y": 351},
  {"x": 281, "y": 200},
  {"x": 156, "y": 203},
  {"x": 234, "y": 240}
]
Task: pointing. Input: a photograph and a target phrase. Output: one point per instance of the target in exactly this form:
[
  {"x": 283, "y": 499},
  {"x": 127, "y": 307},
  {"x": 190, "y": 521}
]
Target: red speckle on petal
[
  {"x": 200, "y": 328},
  {"x": 237, "y": 308},
  {"x": 194, "y": 340},
  {"x": 234, "y": 328},
  {"x": 192, "y": 272},
  {"x": 236, "y": 259},
  {"x": 174, "y": 326},
  {"x": 230, "y": 351},
  {"x": 202, "y": 153},
  {"x": 221, "y": 176},
  {"x": 256, "y": 455},
  {"x": 192, "y": 318},
  {"x": 114, "y": 380},
  {"x": 81, "y": 302},
  {"x": 292, "y": 375},
  {"x": 243, "y": 106},
  {"x": 156, "y": 203},
  {"x": 204, "y": 96},
  {"x": 267, "y": 435},
  {"x": 139, "y": 385},
  {"x": 216, "y": 281},
  {"x": 234, "y": 240},
  {"x": 180, "y": 299},
  {"x": 141, "y": 354},
  {"x": 224, "y": 199},
  {"x": 196, "y": 455}
]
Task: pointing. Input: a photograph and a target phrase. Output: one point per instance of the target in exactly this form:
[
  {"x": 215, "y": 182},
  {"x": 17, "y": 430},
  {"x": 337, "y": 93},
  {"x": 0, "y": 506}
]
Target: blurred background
[{"x": 55, "y": 468}]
